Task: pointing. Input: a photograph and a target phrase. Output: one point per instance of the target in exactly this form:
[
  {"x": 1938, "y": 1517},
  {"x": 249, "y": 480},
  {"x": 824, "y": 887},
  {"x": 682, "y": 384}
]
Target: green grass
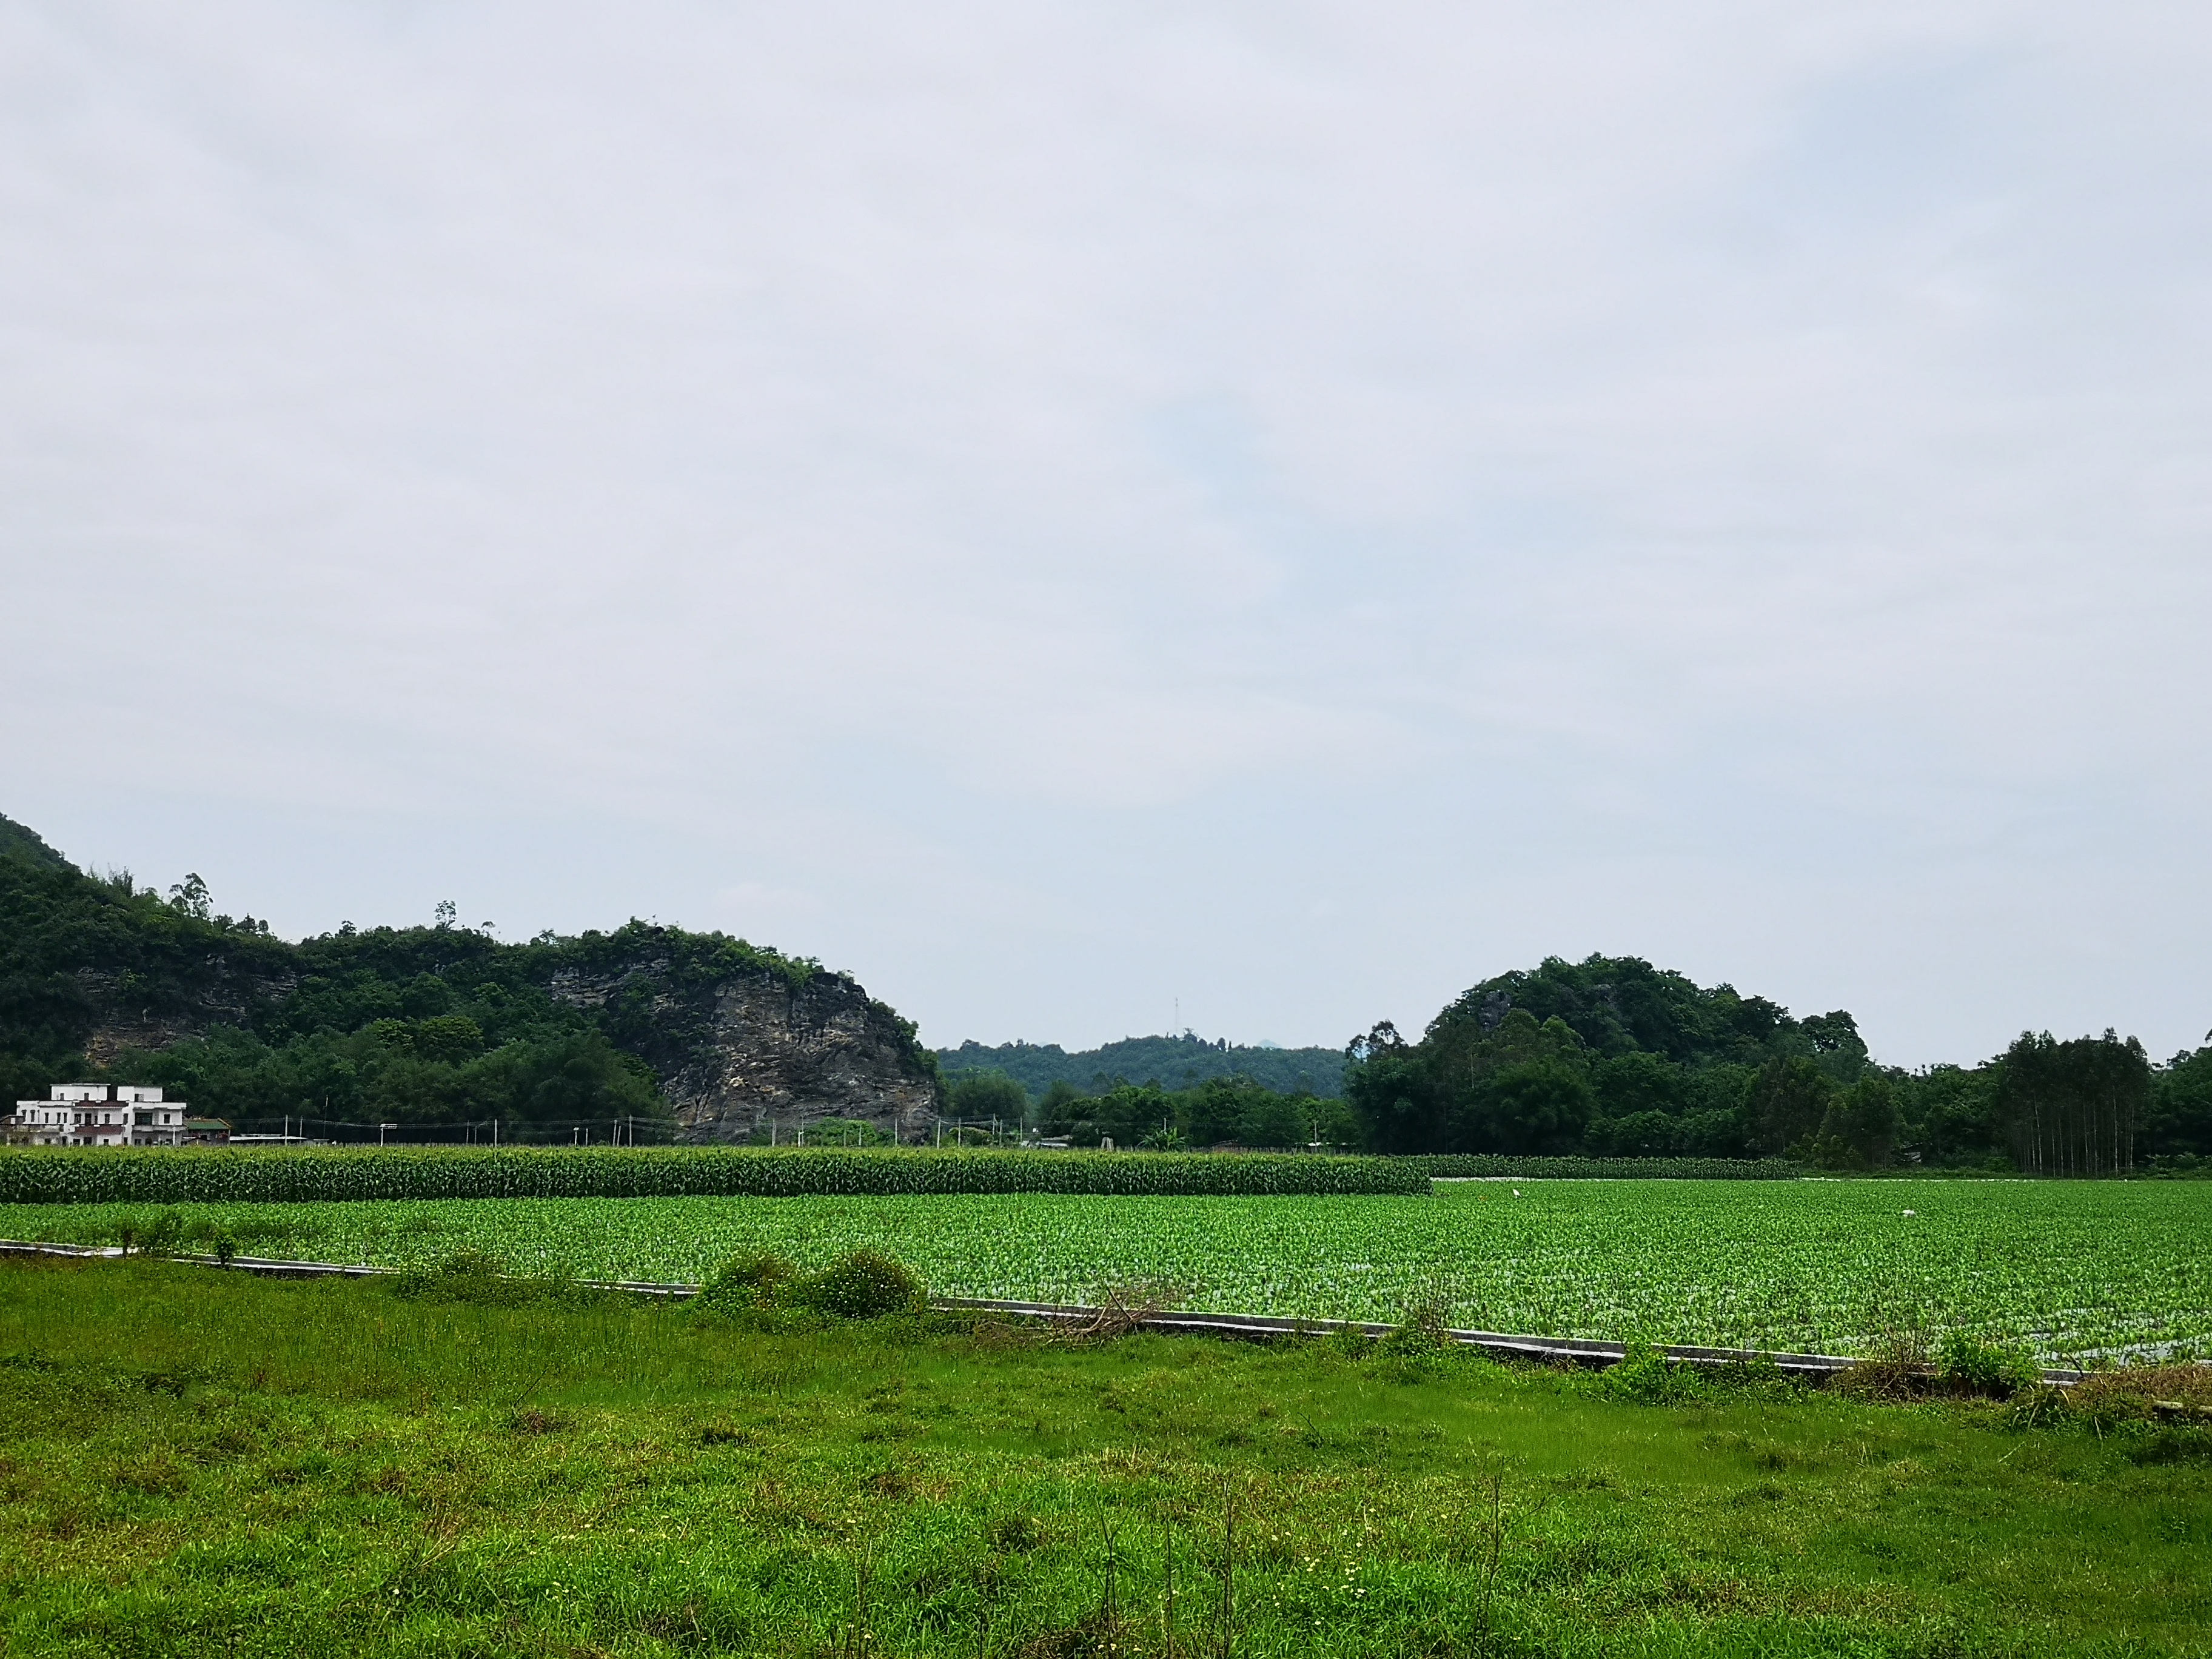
[
  {"x": 2075, "y": 1270},
  {"x": 199, "y": 1463}
]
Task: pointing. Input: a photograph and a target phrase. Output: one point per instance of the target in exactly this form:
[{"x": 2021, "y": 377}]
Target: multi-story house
[{"x": 99, "y": 1115}]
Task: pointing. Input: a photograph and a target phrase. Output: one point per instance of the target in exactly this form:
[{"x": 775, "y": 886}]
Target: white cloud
[{"x": 1310, "y": 505}]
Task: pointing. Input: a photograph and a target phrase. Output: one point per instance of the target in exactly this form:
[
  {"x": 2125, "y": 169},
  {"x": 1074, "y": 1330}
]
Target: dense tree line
[
  {"x": 1172, "y": 1062},
  {"x": 1222, "y": 1111},
  {"x": 438, "y": 1024},
  {"x": 1611, "y": 1057}
]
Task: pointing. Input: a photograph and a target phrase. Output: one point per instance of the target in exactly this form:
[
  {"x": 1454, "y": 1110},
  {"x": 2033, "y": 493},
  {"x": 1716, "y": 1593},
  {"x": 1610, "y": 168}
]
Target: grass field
[
  {"x": 2078, "y": 1271},
  {"x": 200, "y": 1463}
]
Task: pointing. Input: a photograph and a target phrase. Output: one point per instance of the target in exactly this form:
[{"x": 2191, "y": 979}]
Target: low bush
[
  {"x": 863, "y": 1284},
  {"x": 159, "y": 1234},
  {"x": 1647, "y": 1376},
  {"x": 1966, "y": 1365},
  {"x": 222, "y": 1175},
  {"x": 1447, "y": 1166},
  {"x": 858, "y": 1285},
  {"x": 747, "y": 1282}
]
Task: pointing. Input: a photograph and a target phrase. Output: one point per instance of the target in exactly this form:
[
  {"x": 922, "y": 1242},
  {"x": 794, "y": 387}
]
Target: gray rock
[{"x": 755, "y": 1051}]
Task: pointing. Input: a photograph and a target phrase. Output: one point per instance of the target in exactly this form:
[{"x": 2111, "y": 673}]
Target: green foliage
[
  {"x": 1170, "y": 1063},
  {"x": 1647, "y": 1376},
  {"x": 861, "y": 1284},
  {"x": 987, "y": 1094},
  {"x": 1612, "y": 1058},
  {"x": 2177, "y": 1122},
  {"x": 748, "y": 1283},
  {"x": 1622, "y": 1005},
  {"x": 1223, "y": 1111},
  {"x": 1967, "y": 1364},
  {"x": 216, "y": 1174},
  {"x": 2072, "y": 1108},
  {"x": 159, "y": 1234},
  {"x": 470, "y": 1276},
  {"x": 846, "y": 1132},
  {"x": 1860, "y": 1125},
  {"x": 421, "y": 1025},
  {"x": 17, "y": 841},
  {"x": 435, "y": 1070}
]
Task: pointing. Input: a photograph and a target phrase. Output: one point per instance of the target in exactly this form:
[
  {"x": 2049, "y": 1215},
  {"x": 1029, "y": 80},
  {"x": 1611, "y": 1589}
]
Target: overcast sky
[{"x": 1094, "y": 516}]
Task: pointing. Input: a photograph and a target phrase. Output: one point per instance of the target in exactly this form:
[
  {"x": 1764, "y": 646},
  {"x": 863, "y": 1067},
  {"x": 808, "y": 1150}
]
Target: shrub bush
[
  {"x": 1969, "y": 1366},
  {"x": 860, "y": 1284},
  {"x": 222, "y": 1175},
  {"x": 747, "y": 1282},
  {"x": 863, "y": 1284},
  {"x": 1644, "y": 1374}
]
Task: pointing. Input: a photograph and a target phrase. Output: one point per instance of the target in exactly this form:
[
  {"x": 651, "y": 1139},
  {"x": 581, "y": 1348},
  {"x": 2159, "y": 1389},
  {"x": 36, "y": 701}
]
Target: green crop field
[{"x": 2079, "y": 1271}]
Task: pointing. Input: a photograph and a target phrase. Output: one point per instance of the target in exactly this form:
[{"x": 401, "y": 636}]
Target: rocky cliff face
[
  {"x": 754, "y": 1050},
  {"x": 224, "y": 992}
]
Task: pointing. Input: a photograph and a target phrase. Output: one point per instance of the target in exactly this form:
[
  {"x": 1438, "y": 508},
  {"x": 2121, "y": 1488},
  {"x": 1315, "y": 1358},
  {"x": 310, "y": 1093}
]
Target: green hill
[
  {"x": 1172, "y": 1062},
  {"x": 103, "y": 980},
  {"x": 17, "y": 841},
  {"x": 1613, "y": 1057}
]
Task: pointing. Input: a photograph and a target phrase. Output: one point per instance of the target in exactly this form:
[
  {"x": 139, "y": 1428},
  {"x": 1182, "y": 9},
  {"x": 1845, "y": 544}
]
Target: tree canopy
[
  {"x": 425, "y": 1025},
  {"x": 1612, "y": 1057}
]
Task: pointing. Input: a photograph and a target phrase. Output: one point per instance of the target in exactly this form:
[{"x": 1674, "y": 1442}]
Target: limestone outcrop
[{"x": 757, "y": 1051}]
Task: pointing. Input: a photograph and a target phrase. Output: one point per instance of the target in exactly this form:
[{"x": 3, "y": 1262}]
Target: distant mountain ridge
[{"x": 1173, "y": 1062}]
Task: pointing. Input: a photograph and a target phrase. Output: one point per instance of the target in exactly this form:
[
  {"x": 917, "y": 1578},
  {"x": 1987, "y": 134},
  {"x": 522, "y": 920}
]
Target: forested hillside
[
  {"x": 1170, "y": 1062},
  {"x": 1613, "y": 1057},
  {"x": 702, "y": 1036},
  {"x": 102, "y": 978}
]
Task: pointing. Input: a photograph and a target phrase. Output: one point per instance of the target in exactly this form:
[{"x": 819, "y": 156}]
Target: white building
[{"x": 99, "y": 1115}]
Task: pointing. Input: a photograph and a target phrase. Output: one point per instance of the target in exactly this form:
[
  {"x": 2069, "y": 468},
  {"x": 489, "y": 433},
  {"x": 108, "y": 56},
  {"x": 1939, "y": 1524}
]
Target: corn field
[{"x": 215, "y": 1175}]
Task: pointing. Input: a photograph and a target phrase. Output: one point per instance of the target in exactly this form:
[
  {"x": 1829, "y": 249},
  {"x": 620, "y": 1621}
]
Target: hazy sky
[{"x": 1082, "y": 512}]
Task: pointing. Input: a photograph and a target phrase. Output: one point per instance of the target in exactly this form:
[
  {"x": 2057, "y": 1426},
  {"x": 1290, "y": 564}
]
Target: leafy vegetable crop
[{"x": 2073, "y": 1269}]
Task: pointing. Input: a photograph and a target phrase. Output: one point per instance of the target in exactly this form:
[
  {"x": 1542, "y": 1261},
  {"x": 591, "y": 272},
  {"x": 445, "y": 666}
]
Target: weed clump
[
  {"x": 2144, "y": 1394},
  {"x": 1416, "y": 1346},
  {"x": 1896, "y": 1369},
  {"x": 1966, "y": 1365},
  {"x": 1648, "y": 1377},
  {"x": 2152, "y": 1413},
  {"x": 860, "y": 1284},
  {"x": 747, "y": 1283},
  {"x": 471, "y": 1276},
  {"x": 1959, "y": 1365},
  {"x": 157, "y": 1235}
]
